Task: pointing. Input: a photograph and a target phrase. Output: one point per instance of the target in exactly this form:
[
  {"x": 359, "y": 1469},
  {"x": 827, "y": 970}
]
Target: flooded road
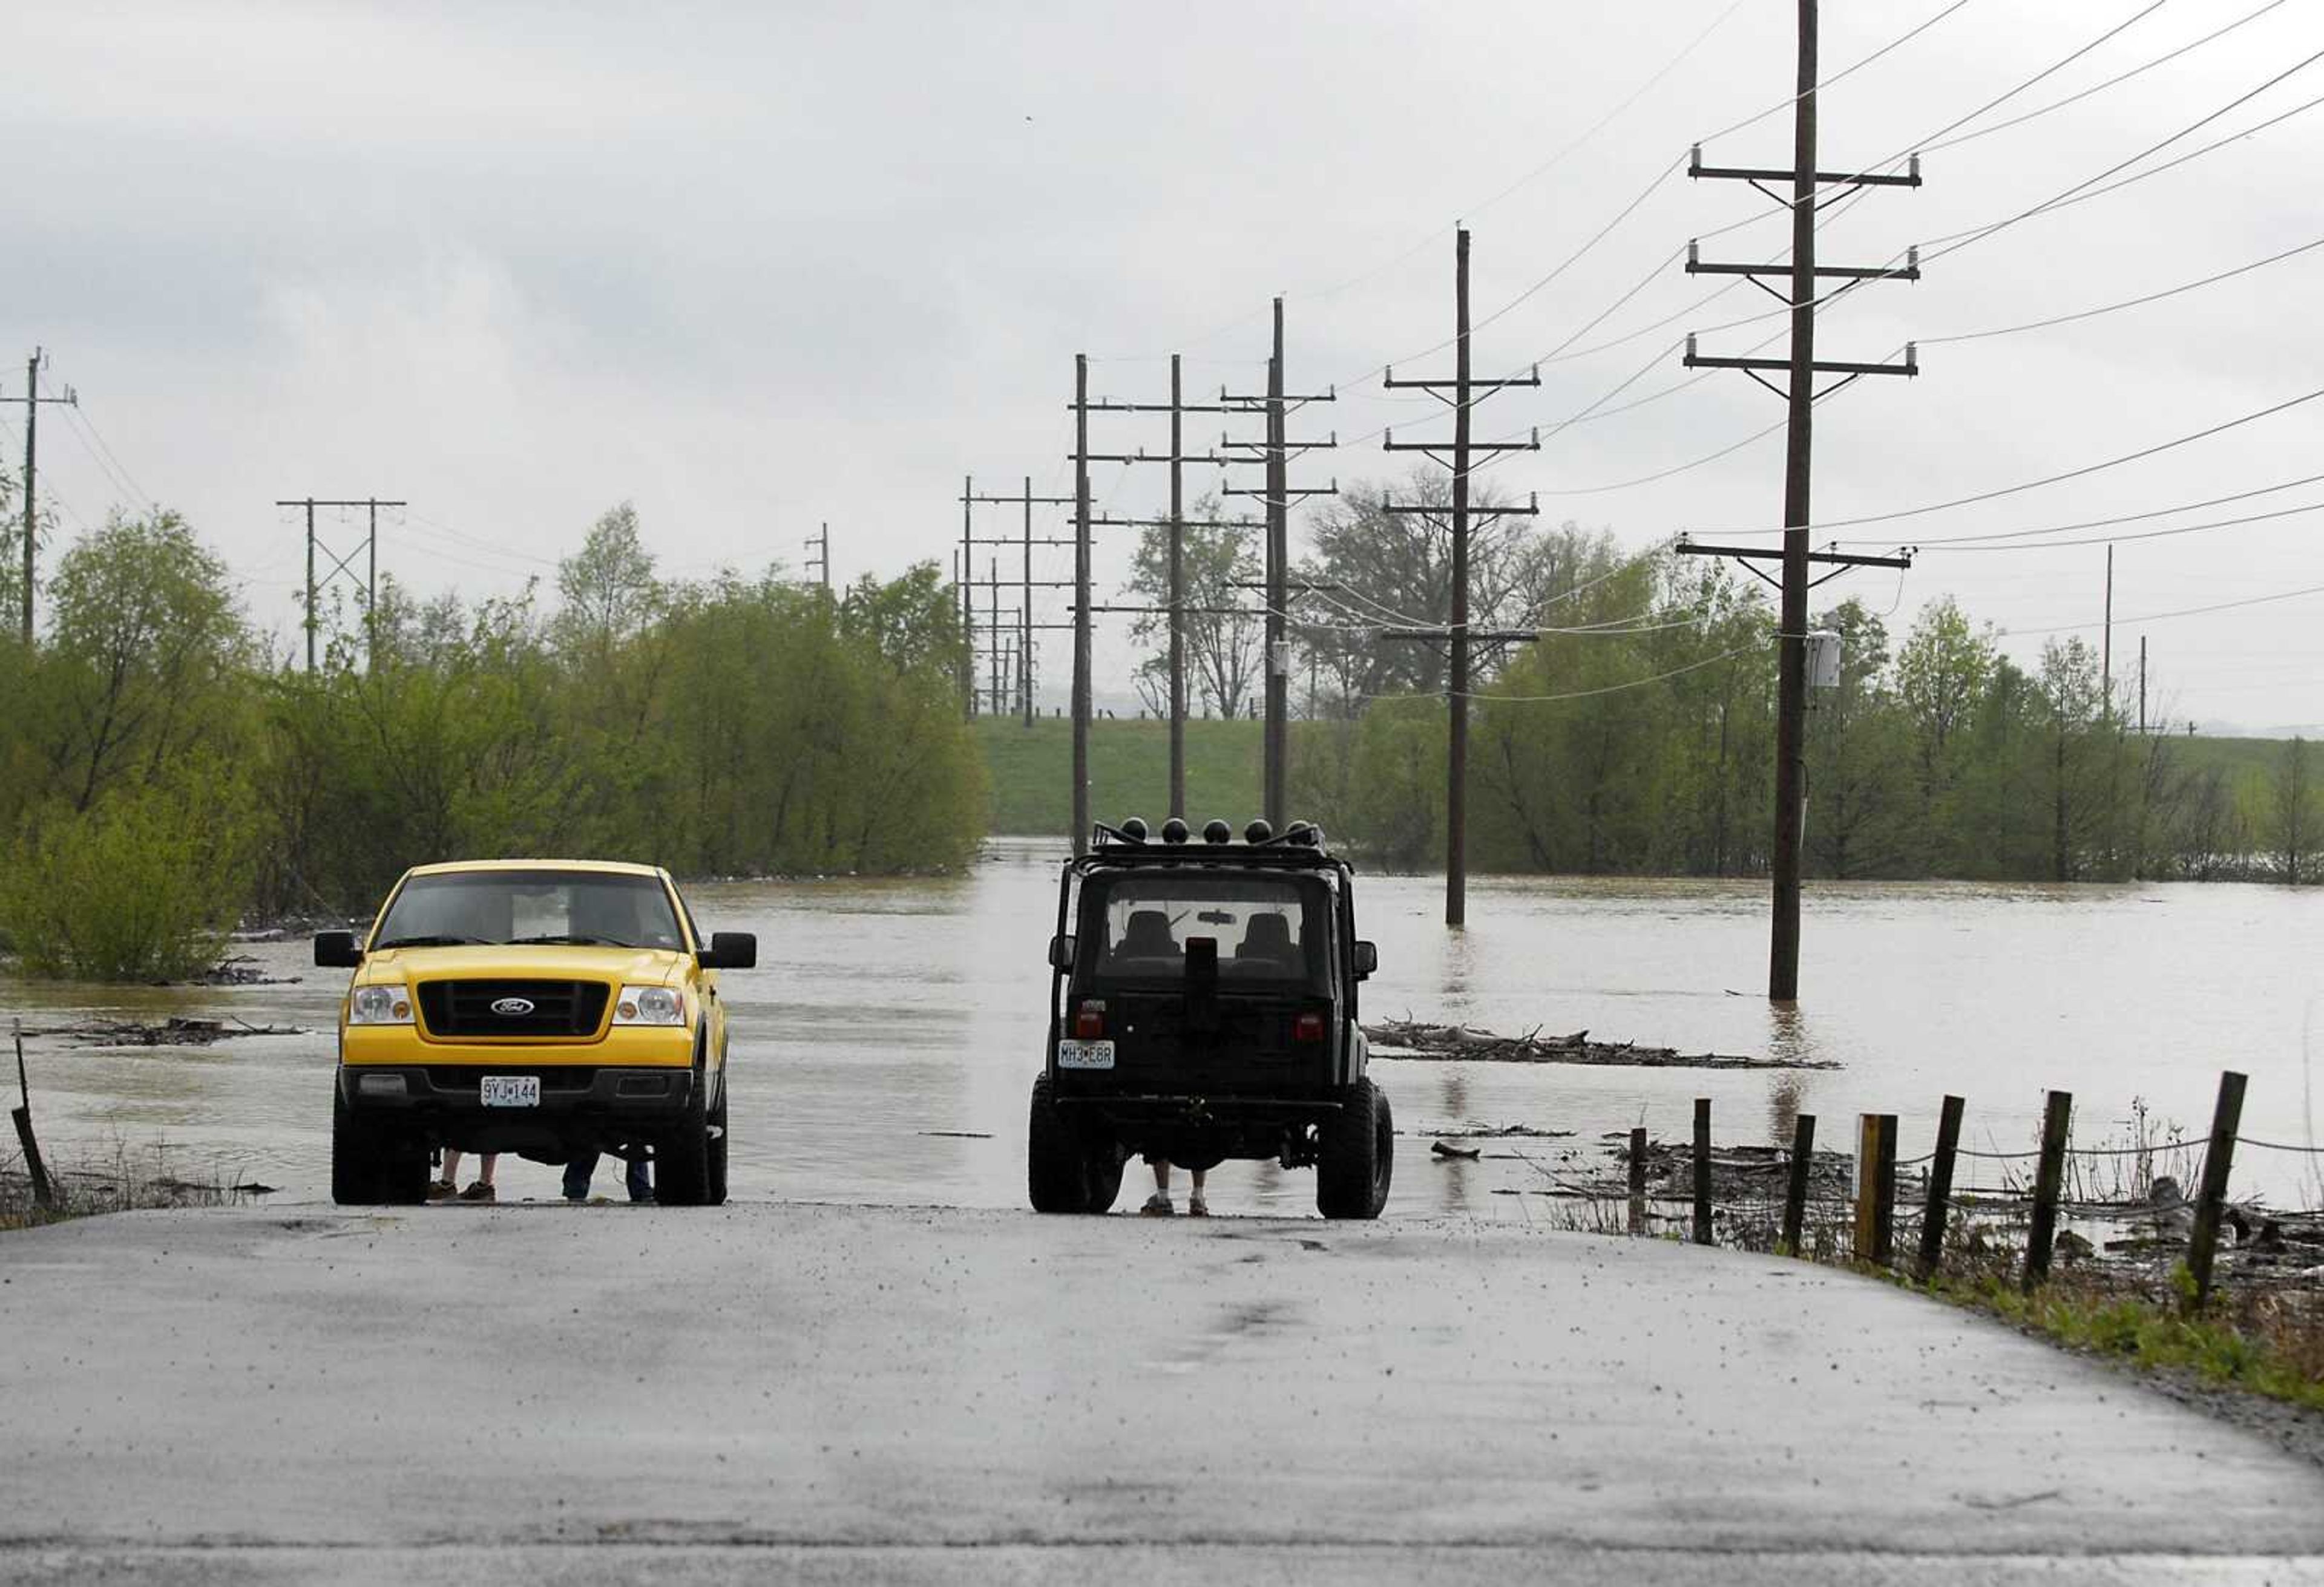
[{"x": 883, "y": 1052}]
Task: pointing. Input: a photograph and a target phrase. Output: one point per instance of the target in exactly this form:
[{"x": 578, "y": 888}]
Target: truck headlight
[
  {"x": 649, "y": 1005},
  {"x": 379, "y": 1005}
]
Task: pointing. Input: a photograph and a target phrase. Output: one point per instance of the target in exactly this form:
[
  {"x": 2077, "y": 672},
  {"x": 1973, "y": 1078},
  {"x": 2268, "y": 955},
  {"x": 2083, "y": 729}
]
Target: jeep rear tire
[
  {"x": 1105, "y": 1165},
  {"x": 1058, "y": 1161},
  {"x": 1355, "y": 1155},
  {"x": 682, "y": 1156}
]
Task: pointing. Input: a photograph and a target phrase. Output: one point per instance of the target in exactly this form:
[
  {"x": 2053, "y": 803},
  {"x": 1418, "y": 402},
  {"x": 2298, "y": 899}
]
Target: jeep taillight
[
  {"x": 1308, "y": 1027},
  {"x": 1089, "y": 1020}
]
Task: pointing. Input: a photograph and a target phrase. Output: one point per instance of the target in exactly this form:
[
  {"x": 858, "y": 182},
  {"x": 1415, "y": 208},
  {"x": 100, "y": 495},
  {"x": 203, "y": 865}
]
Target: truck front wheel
[{"x": 682, "y": 1156}]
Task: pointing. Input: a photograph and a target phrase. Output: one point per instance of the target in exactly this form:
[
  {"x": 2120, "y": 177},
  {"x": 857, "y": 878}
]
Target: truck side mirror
[
  {"x": 337, "y": 950},
  {"x": 1366, "y": 959},
  {"x": 731, "y": 950},
  {"x": 1061, "y": 953}
]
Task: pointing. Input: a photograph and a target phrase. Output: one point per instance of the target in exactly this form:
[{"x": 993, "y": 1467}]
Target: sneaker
[
  {"x": 441, "y": 1189},
  {"x": 1197, "y": 1207},
  {"x": 479, "y": 1191},
  {"x": 1157, "y": 1206}
]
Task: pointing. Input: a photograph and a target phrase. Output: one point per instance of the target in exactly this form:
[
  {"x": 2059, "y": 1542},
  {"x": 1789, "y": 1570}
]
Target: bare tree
[
  {"x": 1389, "y": 570},
  {"x": 1222, "y": 644}
]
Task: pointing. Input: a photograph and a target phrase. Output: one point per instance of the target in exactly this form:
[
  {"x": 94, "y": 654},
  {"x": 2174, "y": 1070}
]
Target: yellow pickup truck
[{"x": 545, "y": 1007}]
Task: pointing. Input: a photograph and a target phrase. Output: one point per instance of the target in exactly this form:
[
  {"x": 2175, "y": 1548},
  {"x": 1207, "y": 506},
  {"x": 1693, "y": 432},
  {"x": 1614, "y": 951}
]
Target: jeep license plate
[
  {"x": 512, "y": 1091},
  {"x": 1084, "y": 1055}
]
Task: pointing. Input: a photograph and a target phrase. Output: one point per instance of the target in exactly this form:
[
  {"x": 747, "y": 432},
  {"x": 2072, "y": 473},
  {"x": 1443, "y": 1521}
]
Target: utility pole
[
  {"x": 970, "y": 540},
  {"x": 1178, "y": 407},
  {"x": 1467, "y": 392},
  {"x": 821, "y": 562},
  {"x": 340, "y": 565},
  {"x": 1801, "y": 396},
  {"x": 1276, "y": 495},
  {"x": 2141, "y": 685},
  {"x": 1080, "y": 605},
  {"x": 967, "y": 600},
  {"x": 2105, "y": 646},
  {"x": 1177, "y": 799},
  {"x": 31, "y": 399}
]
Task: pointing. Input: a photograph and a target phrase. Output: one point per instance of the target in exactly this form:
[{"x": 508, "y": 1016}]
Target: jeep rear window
[
  {"x": 1268, "y": 928},
  {"x": 601, "y": 908}
]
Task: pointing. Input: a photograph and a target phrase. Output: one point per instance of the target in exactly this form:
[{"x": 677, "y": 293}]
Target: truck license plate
[
  {"x": 1084, "y": 1055},
  {"x": 512, "y": 1091}
]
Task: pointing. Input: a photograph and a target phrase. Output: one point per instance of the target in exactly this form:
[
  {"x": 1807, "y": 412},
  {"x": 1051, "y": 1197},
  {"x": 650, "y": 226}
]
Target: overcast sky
[{"x": 758, "y": 267}]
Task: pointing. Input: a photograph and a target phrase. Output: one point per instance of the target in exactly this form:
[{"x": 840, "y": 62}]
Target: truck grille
[{"x": 560, "y": 1008}]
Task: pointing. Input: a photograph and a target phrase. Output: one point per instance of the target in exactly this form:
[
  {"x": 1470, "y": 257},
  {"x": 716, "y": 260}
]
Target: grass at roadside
[
  {"x": 1031, "y": 771},
  {"x": 2264, "y": 1339},
  {"x": 112, "y": 1179}
]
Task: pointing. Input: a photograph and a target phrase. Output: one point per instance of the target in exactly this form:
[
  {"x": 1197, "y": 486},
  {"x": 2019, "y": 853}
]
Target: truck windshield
[
  {"x": 601, "y": 908},
  {"x": 1267, "y": 929}
]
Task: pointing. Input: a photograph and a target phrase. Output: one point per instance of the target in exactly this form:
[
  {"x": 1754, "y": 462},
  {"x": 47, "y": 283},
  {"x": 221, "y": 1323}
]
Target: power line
[
  {"x": 2061, "y": 319},
  {"x": 2128, "y": 518},
  {"x": 2076, "y": 473},
  {"x": 2156, "y": 617},
  {"x": 2075, "y": 98}
]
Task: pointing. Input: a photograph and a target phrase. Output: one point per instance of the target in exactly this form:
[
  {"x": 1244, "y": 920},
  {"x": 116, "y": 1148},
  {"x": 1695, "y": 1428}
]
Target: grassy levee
[{"x": 1031, "y": 771}]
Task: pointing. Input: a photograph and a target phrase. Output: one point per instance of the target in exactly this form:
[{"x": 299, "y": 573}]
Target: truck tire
[
  {"x": 682, "y": 1155},
  {"x": 1355, "y": 1155},
  {"x": 355, "y": 1177},
  {"x": 372, "y": 1164},
  {"x": 718, "y": 1148},
  {"x": 1058, "y": 1161}
]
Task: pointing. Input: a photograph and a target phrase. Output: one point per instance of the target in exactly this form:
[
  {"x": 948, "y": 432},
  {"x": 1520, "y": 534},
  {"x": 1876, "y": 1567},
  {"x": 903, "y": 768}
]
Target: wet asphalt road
[{"x": 844, "y": 1394}]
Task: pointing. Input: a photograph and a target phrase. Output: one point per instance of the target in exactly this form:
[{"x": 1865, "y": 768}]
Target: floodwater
[{"x": 883, "y": 1051}]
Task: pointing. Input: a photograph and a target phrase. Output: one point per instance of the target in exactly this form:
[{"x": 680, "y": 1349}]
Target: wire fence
[{"x": 2154, "y": 1202}]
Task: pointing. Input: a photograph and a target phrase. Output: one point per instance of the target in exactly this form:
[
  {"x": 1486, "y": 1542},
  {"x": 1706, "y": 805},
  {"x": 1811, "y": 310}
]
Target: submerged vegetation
[{"x": 162, "y": 773}]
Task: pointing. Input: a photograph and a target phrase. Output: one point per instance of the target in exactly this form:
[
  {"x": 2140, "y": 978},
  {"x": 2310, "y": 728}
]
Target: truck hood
[{"x": 637, "y": 966}]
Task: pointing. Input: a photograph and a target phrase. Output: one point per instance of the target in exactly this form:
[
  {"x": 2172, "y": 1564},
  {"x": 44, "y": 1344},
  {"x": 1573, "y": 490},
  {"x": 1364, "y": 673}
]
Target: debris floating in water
[{"x": 1418, "y": 1039}]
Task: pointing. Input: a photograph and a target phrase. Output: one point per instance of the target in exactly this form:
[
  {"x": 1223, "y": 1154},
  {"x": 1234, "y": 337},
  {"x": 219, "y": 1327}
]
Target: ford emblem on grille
[{"x": 514, "y": 1007}]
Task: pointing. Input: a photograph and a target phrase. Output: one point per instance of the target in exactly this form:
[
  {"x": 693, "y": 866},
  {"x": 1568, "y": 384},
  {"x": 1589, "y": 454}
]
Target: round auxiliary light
[
  {"x": 1134, "y": 829},
  {"x": 1173, "y": 831},
  {"x": 1300, "y": 833},
  {"x": 1258, "y": 831},
  {"x": 1217, "y": 832}
]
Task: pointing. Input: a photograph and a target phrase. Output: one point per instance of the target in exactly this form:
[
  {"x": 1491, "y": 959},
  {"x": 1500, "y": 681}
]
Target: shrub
[{"x": 142, "y": 887}]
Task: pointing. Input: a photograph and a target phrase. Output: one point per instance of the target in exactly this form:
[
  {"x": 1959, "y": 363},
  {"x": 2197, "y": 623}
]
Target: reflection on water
[{"x": 884, "y": 1050}]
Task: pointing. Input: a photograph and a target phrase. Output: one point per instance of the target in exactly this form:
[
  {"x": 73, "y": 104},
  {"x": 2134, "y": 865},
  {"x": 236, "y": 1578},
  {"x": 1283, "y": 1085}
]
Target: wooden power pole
[
  {"x": 1801, "y": 396},
  {"x": 31, "y": 399},
  {"x": 369, "y": 580},
  {"x": 1466, "y": 392}
]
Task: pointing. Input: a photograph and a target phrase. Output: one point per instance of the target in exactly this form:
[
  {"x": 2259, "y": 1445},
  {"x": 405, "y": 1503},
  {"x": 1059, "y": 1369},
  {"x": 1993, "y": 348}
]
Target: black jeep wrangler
[{"x": 1203, "y": 1006}]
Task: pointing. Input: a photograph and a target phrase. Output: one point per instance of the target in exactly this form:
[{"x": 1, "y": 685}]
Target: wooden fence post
[
  {"x": 1795, "y": 1190},
  {"x": 2057, "y": 1120},
  {"x": 2226, "y": 1119},
  {"x": 1939, "y": 1205},
  {"x": 1876, "y": 1188},
  {"x": 43, "y": 1193},
  {"x": 1638, "y": 1181},
  {"x": 1703, "y": 1170}
]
